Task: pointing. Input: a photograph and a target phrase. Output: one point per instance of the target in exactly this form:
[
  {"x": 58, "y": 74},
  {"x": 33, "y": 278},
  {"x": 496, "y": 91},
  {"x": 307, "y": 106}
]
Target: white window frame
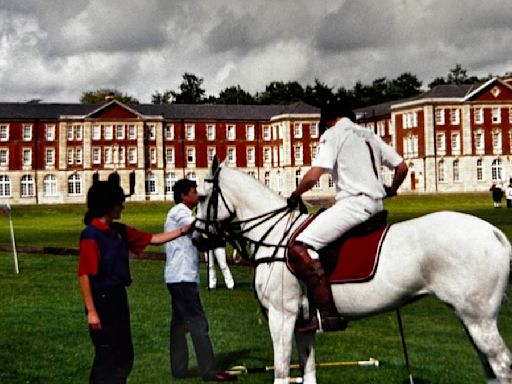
[
  {"x": 70, "y": 156},
  {"x": 441, "y": 171},
  {"x": 190, "y": 154},
  {"x": 50, "y": 186},
  {"x": 96, "y": 155},
  {"x": 454, "y": 116},
  {"x": 230, "y": 132},
  {"x": 26, "y": 157},
  {"x": 96, "y": 132},
  {"x": 78, "y": 132},
  {"x": 251, "y": 155},
  {"x": 27, "y": 132},
  {"x": 267, "y": 132},
  {"x": 169, "y": 155},
  {"x": 297, "y": 130},
  {"x": 170, "y": 180},
  {"x": 298, "y": 153},
  {"x": 120, "y": 131},
  {"x": 455, "y": 143},
  {"x": 479, "y": 115},
  {"x": 231, "y": 155},
  {"x": 441, "y": 143},
  {"x": 78, "y": 156},
  {"x": 496, "y": 115},
  {"x": 75, "y": 185},
  {"x": 4, "y": 132},
  {"x": 479, "y": 170},
  {"x": 456, "y": 170},
  {"x": 49, "y": 132},
  {"x": 479, "y": 142},
  {"x": 109, "y": 132},
  {"x": 440, "y": 116},
  {"x": 210, "y": 153},
  {"x": 4, "y": 157},
  {"x": 152, "y": 132},
  {"x": 27, "y": 186},
  {"x": 5, "y": 186},
  {"x": 497, "y": 142},
  {"x": 107, "y": 155},
  {"x": 169, "y": 132},
  {"x": 267, "y": 155},
  {"x": 150, "y": 183},
  {"x": 121, "y": 156},
  {"x": 152, "y": 155},
  {"x": 313, "y": 130},
  {"x": 132, "y": 155},
  {"x": 49, "y": 156},
  {"x": 132, "y": 132},
  {"x": 210, "y": 132},
  {"x": 249, "y": 132},
  {"x": 190, "y": 132}
]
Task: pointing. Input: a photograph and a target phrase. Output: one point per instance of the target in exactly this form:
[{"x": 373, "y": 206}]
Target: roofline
[
  {"x": 484, "y": 85},
  {"x": 114, "y": 101},
  {"x": 295, "y": 115},
  {"x": 429, "y": 100}
]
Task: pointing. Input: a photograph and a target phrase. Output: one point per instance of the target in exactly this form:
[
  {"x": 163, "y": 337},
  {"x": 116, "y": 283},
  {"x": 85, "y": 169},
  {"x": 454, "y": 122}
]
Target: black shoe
[
  {"x": 221, "y": 376},
  {"x": 329, "y": 324}
]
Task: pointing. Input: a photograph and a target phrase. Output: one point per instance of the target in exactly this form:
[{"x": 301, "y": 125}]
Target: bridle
[{"x": 231, "y": 231}]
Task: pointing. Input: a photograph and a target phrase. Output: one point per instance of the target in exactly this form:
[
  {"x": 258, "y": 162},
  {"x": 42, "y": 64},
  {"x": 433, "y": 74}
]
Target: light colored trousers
[
  {"x": 331, "y": 224},
  {"x": 220, "y": 255}
]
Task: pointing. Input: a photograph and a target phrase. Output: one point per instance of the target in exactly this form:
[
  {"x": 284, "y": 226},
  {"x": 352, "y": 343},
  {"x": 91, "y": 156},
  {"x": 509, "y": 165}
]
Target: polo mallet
[
  {"x": 239, "y": 369},
  {"x": 404, "y": 346}
]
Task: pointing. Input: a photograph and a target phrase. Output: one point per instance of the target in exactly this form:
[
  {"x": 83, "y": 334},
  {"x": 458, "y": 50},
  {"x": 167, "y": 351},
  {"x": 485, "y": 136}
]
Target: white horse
[{"x": 459, "y": 258}]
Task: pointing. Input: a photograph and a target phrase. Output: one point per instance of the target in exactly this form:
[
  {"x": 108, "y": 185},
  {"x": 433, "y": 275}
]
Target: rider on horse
[{"x": 353, "y": 155}]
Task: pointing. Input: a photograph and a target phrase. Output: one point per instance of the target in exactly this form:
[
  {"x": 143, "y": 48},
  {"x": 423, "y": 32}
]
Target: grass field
[{"x": 43, "y": 335}]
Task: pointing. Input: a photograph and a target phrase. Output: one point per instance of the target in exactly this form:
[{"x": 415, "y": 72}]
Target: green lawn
[{"x": 44, "y": 339}]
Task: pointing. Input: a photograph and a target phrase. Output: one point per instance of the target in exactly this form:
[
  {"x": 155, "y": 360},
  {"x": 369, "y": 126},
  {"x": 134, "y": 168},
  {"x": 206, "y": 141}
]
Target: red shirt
[{"x": 90, "y": 252}]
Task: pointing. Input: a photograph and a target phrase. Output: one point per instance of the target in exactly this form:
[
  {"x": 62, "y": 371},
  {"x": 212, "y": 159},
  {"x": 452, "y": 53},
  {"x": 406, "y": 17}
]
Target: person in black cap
[{"x": 104, "y": 273}]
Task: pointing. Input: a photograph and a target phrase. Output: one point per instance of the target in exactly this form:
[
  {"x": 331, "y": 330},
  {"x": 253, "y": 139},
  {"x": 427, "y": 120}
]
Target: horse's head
[{"x": 213, "y": 210}]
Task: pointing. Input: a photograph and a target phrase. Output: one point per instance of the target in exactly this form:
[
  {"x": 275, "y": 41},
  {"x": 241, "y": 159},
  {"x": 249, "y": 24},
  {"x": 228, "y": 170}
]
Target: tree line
[{"x": 380, "y": 90}]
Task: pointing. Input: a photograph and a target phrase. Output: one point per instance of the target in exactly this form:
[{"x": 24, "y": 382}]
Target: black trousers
[
  {"x": 113, "y": 358},
  {"x": 188, "y": 316}
]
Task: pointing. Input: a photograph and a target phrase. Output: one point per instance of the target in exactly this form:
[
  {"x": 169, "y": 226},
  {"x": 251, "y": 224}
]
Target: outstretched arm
[
  {"x": 164, "y": 237},
  {"x": 398, "y": 178},
  {"x": 309, "y": 180}
]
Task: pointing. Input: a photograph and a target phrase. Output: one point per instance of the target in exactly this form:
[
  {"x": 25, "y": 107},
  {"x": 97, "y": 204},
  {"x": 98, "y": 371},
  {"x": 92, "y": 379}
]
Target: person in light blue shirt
[{"x": 182, "y": 279}]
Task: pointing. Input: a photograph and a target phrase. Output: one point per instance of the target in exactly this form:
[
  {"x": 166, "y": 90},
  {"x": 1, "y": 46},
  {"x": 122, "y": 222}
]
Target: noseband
[{"x": 232, "y": 232}]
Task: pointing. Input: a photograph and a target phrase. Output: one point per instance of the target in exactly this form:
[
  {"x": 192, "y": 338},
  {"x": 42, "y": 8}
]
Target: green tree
[
  {"x": 161, "y": 98},
  {"x": 457, "y": 75},
  {"x": 319, "y": 94},
  {"x": 99, "y": 96},
  {"x": 278, "y": 92},
  {"x": 234, "y": 95},
  {"x": 190, "y": 90},
  {"x": 404, "y": 86}
]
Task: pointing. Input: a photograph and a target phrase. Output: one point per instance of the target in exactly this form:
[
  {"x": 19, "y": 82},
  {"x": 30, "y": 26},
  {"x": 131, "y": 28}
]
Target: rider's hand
[
  {"x": 293, "y": 201},
  {"x": 390, "y": 192}
]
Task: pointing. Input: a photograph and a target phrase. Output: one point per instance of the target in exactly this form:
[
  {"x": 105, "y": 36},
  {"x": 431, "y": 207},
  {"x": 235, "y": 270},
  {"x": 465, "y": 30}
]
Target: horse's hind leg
[
  {"x": 494, "y": 354},
  {"x": 306, "y": 349}
]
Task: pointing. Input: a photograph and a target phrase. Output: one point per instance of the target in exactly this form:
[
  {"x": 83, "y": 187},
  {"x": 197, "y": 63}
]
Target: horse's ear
[{"x": 215, "y": 164}]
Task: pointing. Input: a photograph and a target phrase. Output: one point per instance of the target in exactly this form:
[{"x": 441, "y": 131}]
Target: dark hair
[
  {"x": 332, "y": 112},
  {"x": 101, "y": 198},
  {"x": 182, "y": 187}
]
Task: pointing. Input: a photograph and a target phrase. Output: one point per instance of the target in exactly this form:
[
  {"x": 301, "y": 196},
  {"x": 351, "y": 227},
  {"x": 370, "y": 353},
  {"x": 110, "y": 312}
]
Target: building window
[
  {"x": 497, "y": 143},
  {"x": 231, "y": 155},
  {"x": 454, "y": 116},
  {"x": 152, "y": 155},
  {"x": 440, "y": 116},
  {"x": 210, "y": 132},
  {"x": 4, "y": 132},
  {"x": 314, "y": 150},
  {"x": 69, "y": 133},
  {"x": 96, "y": 158},
  {"x": 150, "y": 183},
  {"x": 50, "y": 186},
  {"x": 109, "y": 132},
  {"x": 496, "y": 115},
  {"x": 441, "y": 176},
  {"x": 191, "y": 156},
  {"x": 410, "y": 119},
  {"x": 456, "y": 171},
  {"x": 210, "y": 153},
  {"x": 479, "y": 115},
  {"x": 170, "y": 180},
  {"x": 152, "y": 132},
  {"x": 190, "y": 131},
  {"x": 96, "y": 132},
  {"x": 78, "y": 132},
  {"x": 70, "y": 156},
  {"x": 267, "y": 179},
  {"x": 132, "y": 132},
  {"x": 5, "y": 186},
  {"x": 318, "y": 184},
  {"x": 266, "y": 133},
  {"x": 298, "y": 154},
  {"x": 122, "y": 156},
  {"x": 267, "y": 157},
  {"x": 331, "y": 182},
  {"x": 250, "y": 155},
  {"x": 479, "y": 142},
  {"x": 4, "y": 157},
  {"x": 169, "y": 132},
  {"x": 441, "y": 143},
  {"x": 50, "y": 132},
  {"x": 231, "y": 132},
  {"x": 455, "y": 143},
  {"x": 132, "y": 155},
  {"x": 78, "y": 156},
  {"x": 497, "y": 170},
  {"x": 74, "y": 185},
  {"x": 107, "y": 155},
  {"x": 297, "y": 130},
  {"x": 50, "y": 156},
  {"x": 252, "y": 174},
  {"x": 479, "y": 170},
  {"x": 169, "y": 155},
  {"x": 27, "y": 132},
  {"x": 313, "y": 130},
  {"x": 249, "y": 132},
  {"x": 298, "y": 177},
  {"x": 120, "y": 132},
  {"x": 192, "y": 176},
  {"x": 27, "y": 157}
]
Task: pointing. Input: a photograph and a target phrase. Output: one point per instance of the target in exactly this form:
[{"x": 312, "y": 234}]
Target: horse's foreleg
[
  {"x": 281, "y": 326},
  {"x": 306, "y": 348},
  {"x": 492, "y": 349}
]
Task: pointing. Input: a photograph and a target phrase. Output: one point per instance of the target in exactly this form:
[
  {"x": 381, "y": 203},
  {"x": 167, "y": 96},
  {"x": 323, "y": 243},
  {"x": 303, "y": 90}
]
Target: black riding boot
[{"x": 311, "y": 272}]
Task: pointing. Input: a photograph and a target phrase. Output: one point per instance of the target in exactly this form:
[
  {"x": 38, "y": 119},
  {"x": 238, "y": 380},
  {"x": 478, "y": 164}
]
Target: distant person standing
[
  {"x": 508, "y": 194},
  {"x": 497, "y": 194},
  {"x": 219, "y": 254}
]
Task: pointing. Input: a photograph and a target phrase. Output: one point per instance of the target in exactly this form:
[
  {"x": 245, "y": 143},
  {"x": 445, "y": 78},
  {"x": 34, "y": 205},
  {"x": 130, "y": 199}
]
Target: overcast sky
[{"x": 56, "y": 49}]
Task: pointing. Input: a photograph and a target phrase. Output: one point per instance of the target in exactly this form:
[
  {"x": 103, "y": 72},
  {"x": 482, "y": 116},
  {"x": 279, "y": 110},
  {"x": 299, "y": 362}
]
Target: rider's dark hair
[
  {"x": 101, "y": 198},
  {"x": 333, "y": 111},
  {"x": 182, "y": 187}
]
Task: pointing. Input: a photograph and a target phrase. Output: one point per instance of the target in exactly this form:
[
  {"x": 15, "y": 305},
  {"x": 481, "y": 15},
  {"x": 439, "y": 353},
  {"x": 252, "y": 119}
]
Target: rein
[{"x": 232, "y": 232}]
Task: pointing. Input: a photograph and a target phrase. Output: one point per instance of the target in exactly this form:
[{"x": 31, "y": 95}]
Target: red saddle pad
[{"x": 358, "y": 257}]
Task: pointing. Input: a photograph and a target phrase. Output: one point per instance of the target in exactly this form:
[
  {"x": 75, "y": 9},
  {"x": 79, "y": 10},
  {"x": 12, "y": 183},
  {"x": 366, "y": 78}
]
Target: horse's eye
[{"x": 202, "y": 198}]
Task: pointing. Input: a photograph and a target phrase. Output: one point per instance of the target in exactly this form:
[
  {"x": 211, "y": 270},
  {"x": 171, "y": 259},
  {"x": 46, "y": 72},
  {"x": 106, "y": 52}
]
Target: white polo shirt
[
  {"x": 182, "y": 260},
  {"x": 354, "y": 156}
]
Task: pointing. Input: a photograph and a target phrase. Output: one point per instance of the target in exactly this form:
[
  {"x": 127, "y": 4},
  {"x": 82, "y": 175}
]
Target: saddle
[{"x": 353, "y": 258}]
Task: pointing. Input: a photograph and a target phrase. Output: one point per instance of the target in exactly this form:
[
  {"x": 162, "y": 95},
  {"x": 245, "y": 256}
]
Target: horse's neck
[{"x": 252, "y": 199}]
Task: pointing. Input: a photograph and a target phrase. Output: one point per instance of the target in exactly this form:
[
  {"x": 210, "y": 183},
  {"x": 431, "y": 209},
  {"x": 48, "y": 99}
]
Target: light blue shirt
[{"x": 182, "y": 259}]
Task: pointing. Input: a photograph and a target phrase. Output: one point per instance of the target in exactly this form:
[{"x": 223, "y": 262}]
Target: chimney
[{"x": 109, "y": 97}]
